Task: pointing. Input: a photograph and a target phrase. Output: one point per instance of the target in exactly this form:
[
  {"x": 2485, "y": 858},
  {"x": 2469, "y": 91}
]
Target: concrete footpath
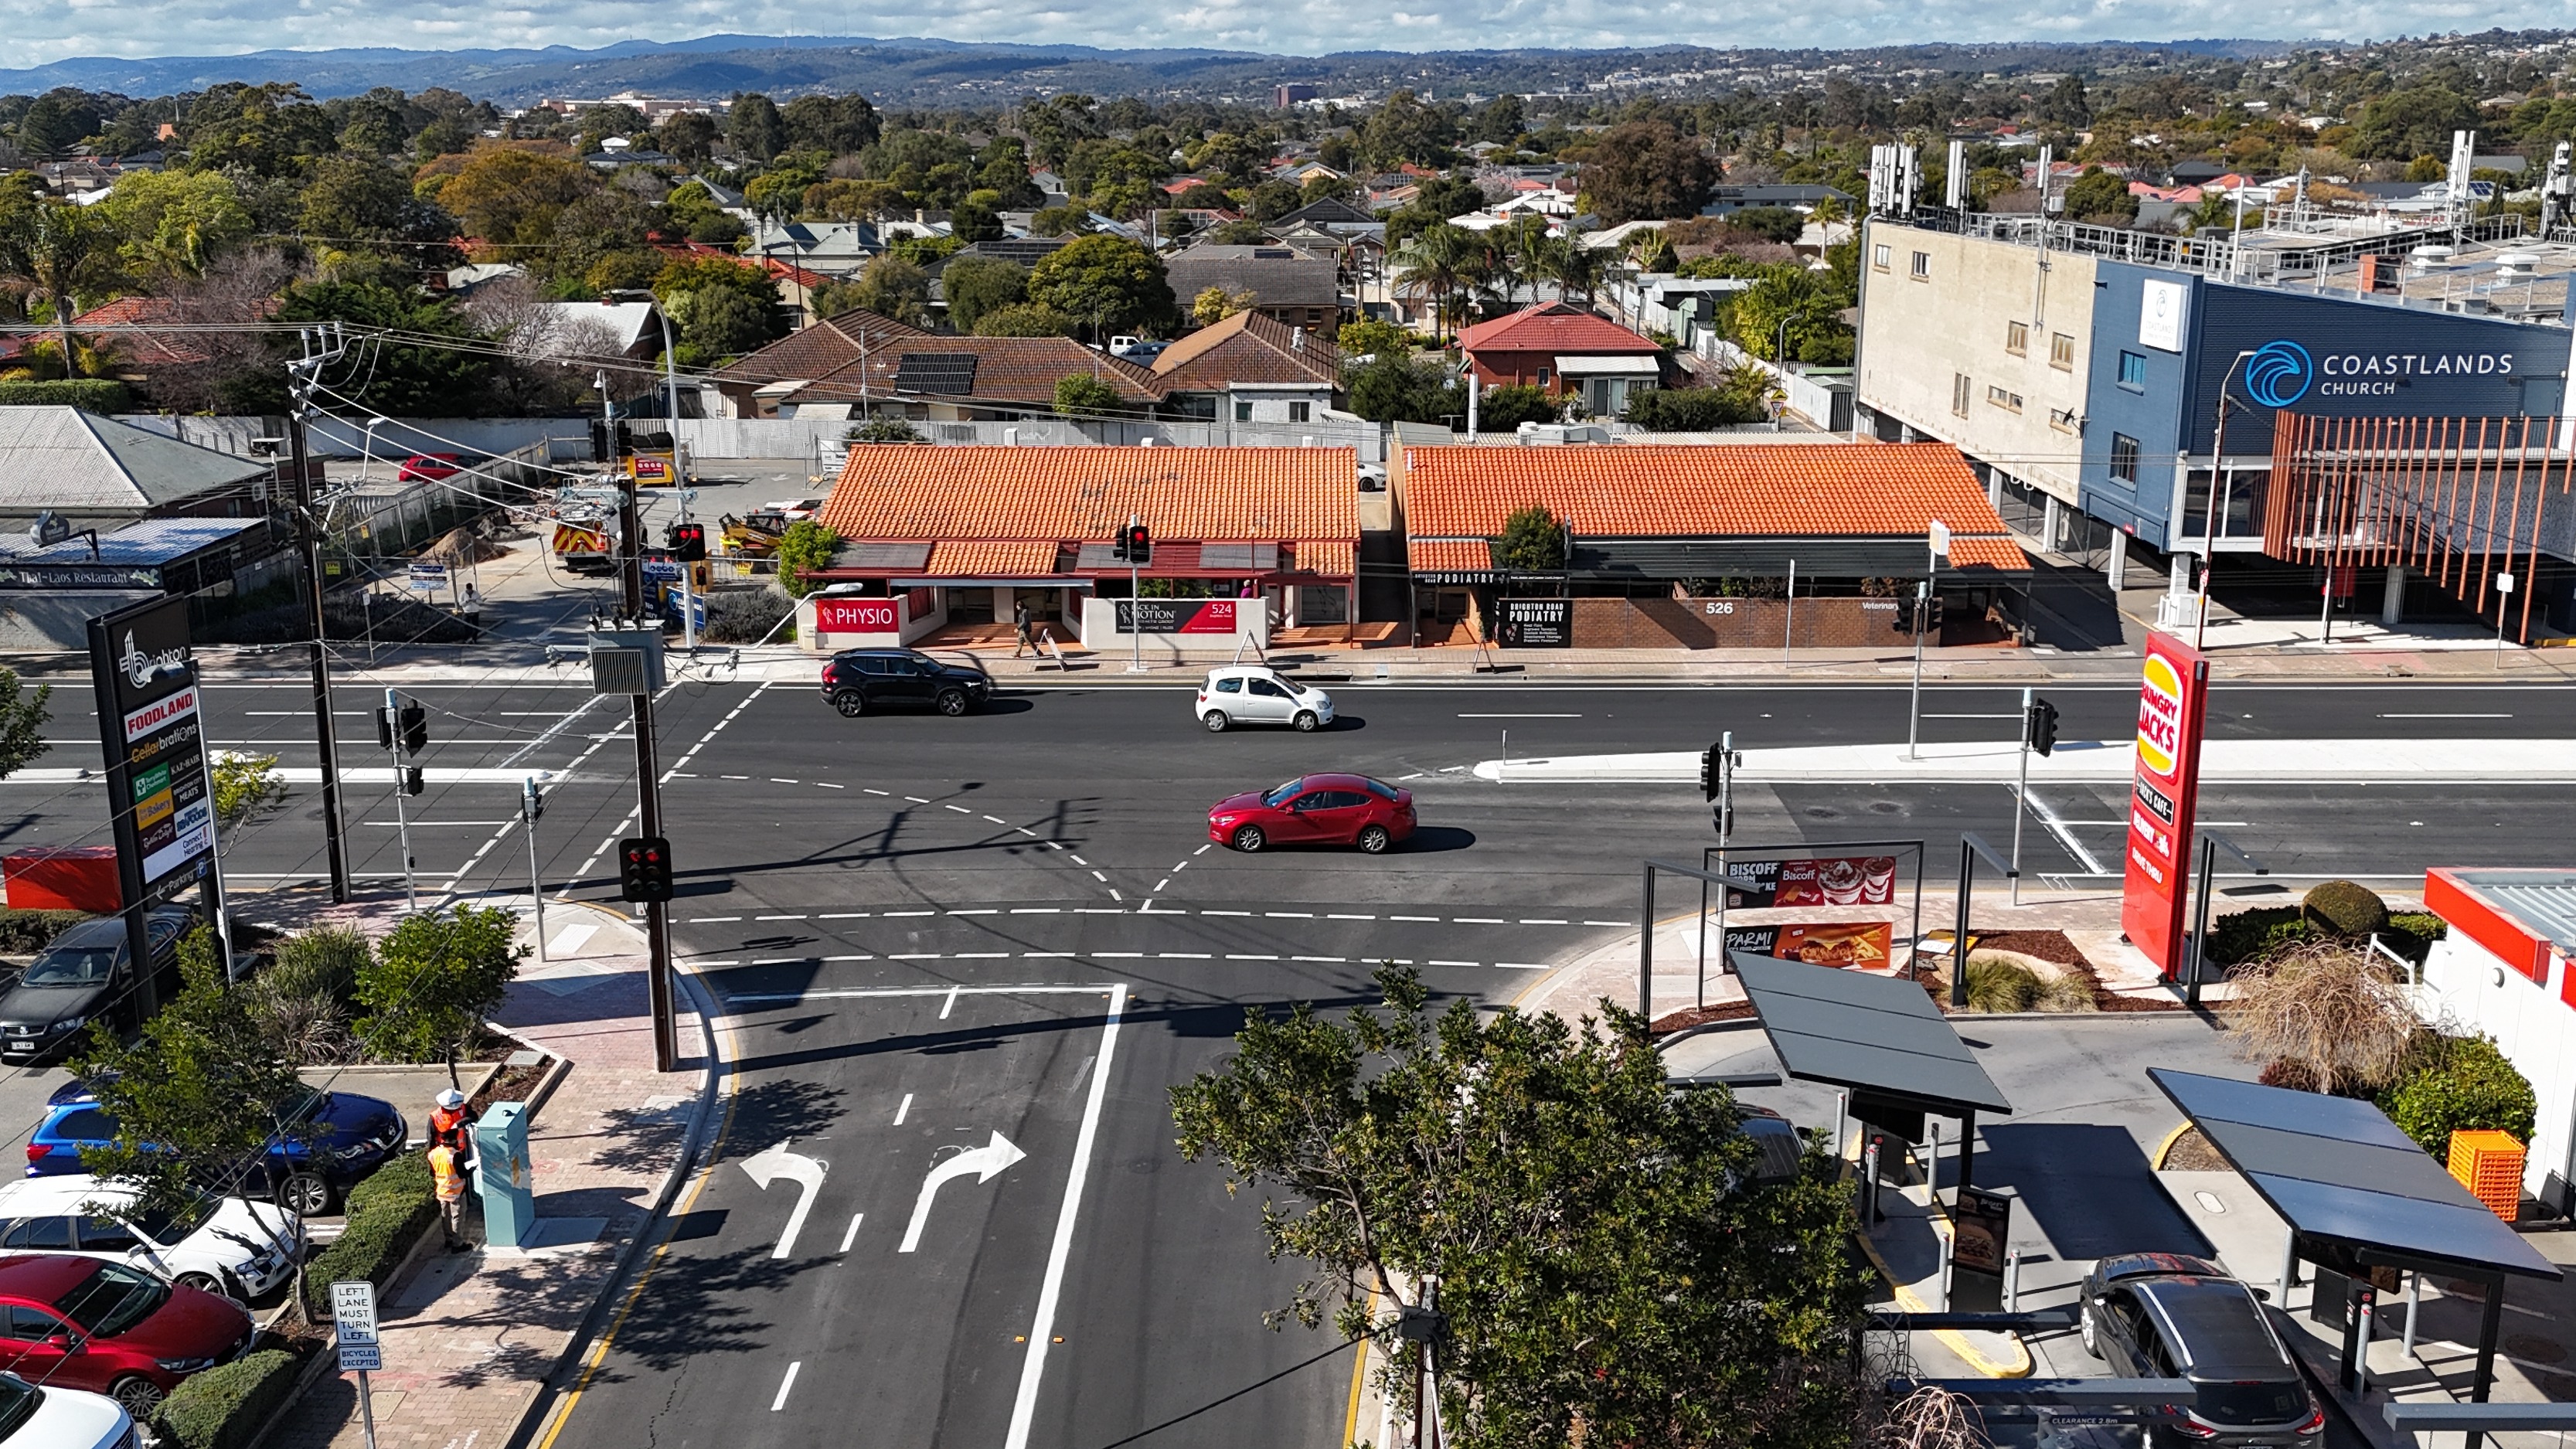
[{"x": 470, "y": 1338}]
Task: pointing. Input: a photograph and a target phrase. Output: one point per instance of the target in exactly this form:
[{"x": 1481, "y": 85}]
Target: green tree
[
  {"x": 1399, "y": 389},
  {"x": 718, "y": 308},
  {"x": 836, "y": 125},
  {"x": 170, "y": 224},
  {"x": 1439, "y": 266},
  {"x": 22, "y": 722},
  {"x": 1602, "y": 1258},
  {"x": 1084, "y": 396},
  {"x": 978, "y": 286},
  {"x": 2066, "y": 104},
  {"x": 396, "y": 380},
  {"x": 1026, "y": 319},
  {"x": 1503, "y": 409},
  {"x": 888, "y": 285},
  {"x": 1643, "y": 170},
  {"x": 1533, "y": 540},
  {"x": 1112, "y": 284},
  {"x": 689, "y": 136},
  {"x": 56, "y": 250},
  {"x": 2417, "y": 121},
  {"x": 1371, "y": 337},
  {"x": 196, "y": 1099},
  {"x": 242, "y": 784},
  {"x": 2098, "y": 196},
  {"x": 1405, "y": 129},
  {"x": 506, "y": 195},
  {"x": 804, "y": 547},
  {"x": 433, "y": 980},
  {"x": 754, "y": 127}
]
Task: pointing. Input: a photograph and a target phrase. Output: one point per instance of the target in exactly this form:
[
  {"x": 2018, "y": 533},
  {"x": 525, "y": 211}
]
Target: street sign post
[
  {"x": 353, "y": 1329},
  {"x": 428, "y": 578}
]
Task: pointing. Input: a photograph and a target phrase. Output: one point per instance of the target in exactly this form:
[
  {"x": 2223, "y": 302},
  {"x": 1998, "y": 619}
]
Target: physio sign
[
  {"x": 855, "y": 616},
  {"x": 2163, "y": 791}
]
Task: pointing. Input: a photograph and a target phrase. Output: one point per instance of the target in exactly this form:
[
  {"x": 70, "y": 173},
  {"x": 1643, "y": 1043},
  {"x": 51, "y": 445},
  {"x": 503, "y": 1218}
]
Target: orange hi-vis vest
[
  {"x": 448, "y": 1127},
  {"x": 451, "y": 1179}
]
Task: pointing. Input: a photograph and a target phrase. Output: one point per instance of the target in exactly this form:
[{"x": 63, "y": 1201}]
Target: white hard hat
[{"x": 451, "y": 1099}]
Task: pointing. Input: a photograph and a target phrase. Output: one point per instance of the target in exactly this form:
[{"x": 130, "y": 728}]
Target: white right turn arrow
[{"x": 985, "y": 1162}]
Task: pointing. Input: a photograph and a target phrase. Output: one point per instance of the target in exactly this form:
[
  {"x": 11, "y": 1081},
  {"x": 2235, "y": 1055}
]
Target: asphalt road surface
[{"x": 959, "y": 963}]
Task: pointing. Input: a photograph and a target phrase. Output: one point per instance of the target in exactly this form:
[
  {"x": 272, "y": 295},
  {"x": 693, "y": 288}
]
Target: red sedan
[
  {"x": 430, "y": 467},
  {"x": 111, "y": 1329},
  {"x": 1318, "y": 810}
]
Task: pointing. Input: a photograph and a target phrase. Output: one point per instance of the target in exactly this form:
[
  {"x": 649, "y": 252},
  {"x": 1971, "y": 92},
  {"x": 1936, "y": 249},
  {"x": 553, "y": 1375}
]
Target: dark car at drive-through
[
  {"x": 85, "y": 973},
  {"x": 2169, "y": 1316},
  {"x": 863, "y": 681}
]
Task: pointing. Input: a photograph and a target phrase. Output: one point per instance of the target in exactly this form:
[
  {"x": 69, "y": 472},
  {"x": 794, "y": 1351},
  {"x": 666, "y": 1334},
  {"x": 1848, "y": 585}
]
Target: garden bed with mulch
[
  {"x": 1691, "y": 1016},
  {"x": 2052, "y": 947}
]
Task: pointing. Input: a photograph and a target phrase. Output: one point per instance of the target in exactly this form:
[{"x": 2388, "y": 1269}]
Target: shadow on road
[{"x": 2088, "y": 1188}]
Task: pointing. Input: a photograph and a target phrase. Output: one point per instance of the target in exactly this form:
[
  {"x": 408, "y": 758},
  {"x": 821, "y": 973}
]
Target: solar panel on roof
[{"x": 952, "y": 373}]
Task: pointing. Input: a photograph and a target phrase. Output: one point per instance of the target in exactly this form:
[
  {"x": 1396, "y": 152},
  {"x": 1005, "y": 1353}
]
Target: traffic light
[
  {"x": 1711, "y": 771},
  {"x": 1140, "y": 544},
  {"x": 2040, "y": 730},
  {"x": 644, "y": 869},
  {"x": 385, "y": 727},
  {"x": 413, "y": 781},
  {"x": 415, "y": 729},
  {"x": 532, "y": 802},
  {"x": 688, "y": 542}
]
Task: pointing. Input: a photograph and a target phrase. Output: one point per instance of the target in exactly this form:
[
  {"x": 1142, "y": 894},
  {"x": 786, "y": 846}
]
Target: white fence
[{"x": 1803, "y": 395}]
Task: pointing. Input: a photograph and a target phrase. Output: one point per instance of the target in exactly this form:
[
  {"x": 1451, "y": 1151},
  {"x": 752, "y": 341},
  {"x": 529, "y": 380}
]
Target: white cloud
[{"x": 225, "y": 27}]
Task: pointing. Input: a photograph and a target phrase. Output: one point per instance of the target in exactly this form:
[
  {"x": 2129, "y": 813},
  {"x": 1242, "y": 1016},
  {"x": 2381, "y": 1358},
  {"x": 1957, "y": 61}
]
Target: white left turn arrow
[
  {"x": 985, "y": 1162},
  {"x": 807, "y": 1172}
]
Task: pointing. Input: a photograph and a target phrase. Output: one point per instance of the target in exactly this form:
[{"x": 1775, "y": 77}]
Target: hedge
[
  {"x": 225, "y": 1406},
  {"x": 2458, "y": 1083},
  {"x": 2241, "y": 936},
  {"x": 89, "y": 394},
  {"x": 387, "y": 1213},
  {"x": 25, "y": 932}
]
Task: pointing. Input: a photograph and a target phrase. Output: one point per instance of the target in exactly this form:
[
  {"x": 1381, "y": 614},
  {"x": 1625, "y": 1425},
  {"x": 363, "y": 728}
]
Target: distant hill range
[{"x": 923, "y": 72}]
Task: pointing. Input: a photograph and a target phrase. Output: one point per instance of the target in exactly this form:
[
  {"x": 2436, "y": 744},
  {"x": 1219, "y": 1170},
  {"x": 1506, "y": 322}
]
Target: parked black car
[
  {"x": 86, "y": 973},
  {"x": 2168, "y": 1316},
  {"x": 860, "y": 680}
]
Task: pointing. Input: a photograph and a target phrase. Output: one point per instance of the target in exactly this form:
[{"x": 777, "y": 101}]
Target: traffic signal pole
[
  {"x": 2021, "y": 806},
  {"x": 648, "y": 782}
]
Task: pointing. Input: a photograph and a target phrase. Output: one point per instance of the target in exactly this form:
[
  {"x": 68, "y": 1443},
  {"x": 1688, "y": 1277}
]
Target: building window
[
  {"x": 1242, "y": 410},
  {"x": 1922, "y": 266},
  {"x": 2061, "y": 351},
  {"x": 1299, "y": 412},
  {"x": 2065, "y": 421},
  {"x": 1546, "y": 375},
  {"x": 2016, "y": 338},
  {"x": 1959, "y": 393},
  {"x": 2009, "y": 401},
  {"x": 2133, "y": 371},
  {"x": 2124, "y": 458},
  {"x": 1881, "y": 255}
]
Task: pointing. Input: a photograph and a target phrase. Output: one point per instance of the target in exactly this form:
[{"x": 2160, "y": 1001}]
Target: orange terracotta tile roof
[
  {"x": 823, "y": 350},
  {"x": 1247, "y": 347},
  {"x": 1685, "y": 491},
  {"x": 1328, "y": 557},
  {"x": 968, "y": 559},
  {"x": 1553, "y": 327},
  {"x": 1987, "y": 553},
  {"x": 1236, "y": 495},
  {"x": 1443, "y": 556}
]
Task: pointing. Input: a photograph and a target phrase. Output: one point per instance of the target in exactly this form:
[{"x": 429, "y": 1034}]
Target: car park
[
  {"x": 1315, "y": 810},
  {"x": 53, "y": 1417},
  {"x": 332, "y": 1140},
  {"x": 1236, "y": 694},
  {"x": 2168, "y": 1315},
  {"x": 862, "y": 681},
  {"x": 112, "y": 1329},
  {"x": 83, "y": 975},
  {"x": 230, "y": 1246}
]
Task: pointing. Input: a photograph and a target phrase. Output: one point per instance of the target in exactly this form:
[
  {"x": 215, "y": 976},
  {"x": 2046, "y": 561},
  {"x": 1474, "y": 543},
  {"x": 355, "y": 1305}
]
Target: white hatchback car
[
  {"x": 56, "y": 1418},
  {"x": 1257, "y": 694},
  {"x": 237, "y": 1248}
]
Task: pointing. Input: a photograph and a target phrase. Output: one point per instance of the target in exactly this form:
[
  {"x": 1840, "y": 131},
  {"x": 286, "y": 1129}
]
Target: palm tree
[
  {"x": 1439, "y": 262},
  {"x": 53, "y": 249}
]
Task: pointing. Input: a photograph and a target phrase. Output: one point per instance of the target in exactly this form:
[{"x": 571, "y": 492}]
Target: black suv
[
  {"x": 860, "y": 680},
  {"x": 2167, "y": 1316},
  {"x": 84, "y": 974}
]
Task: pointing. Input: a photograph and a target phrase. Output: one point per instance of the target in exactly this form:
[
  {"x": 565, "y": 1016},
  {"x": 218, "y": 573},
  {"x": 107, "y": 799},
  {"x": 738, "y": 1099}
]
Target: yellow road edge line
[
  {"x": 670, "y": 1229},
  {"x": 1359, "y": 1383},
  {"x": 2156, "y": 1162},
  {"x": 1906, "y": 1299}
]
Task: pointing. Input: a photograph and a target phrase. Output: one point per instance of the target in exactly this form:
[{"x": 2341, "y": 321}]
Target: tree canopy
[{"x": 1111, "y": 284}]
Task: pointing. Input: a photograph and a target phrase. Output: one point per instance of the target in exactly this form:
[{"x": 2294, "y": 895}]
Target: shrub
[
  {"x": 2241, "y": 936},
  {"x": 805, "y": 546},
  {"x": 2411, "y": 934},
  {"x": 1691, "y": 409},
  {"x": 322, "y": 962},
  {"x": 2342, "y": 908},
  {"x": 2458, "y": 1083},
  {"x": 2328, "y": 1006},
  {"x": 387, "y": 1213},
  {"x": 89, "y": 394},
  {"x": 25, "y": 932},
  {"x": 225, "y": 1406},
  {"x": 1503, "y": 409},
  {"x": 745, "y": 616},
  {"x": 1995, "y": 984},
  {"x": 436, "y": 975},
  {"x": 1533, "y": 540}
]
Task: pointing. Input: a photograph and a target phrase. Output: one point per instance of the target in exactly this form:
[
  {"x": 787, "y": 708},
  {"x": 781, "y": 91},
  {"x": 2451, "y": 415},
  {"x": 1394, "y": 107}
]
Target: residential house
[
  {"x": 764, "y": 383},
  {"x": 830, "y": 248},
  {"x": 1290, "y": 286},
  {"x": 588, "y": 329},
  {"x": 1566, "y": 350},
  {"x": 1251, "y": 368},
  {"x": 1800, "y": 197},
  {"x": 860, "y": 357}
]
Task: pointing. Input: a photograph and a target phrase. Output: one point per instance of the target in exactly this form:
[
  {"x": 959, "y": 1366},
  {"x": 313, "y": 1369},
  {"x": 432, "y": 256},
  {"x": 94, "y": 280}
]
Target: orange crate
[{"x": 2489, "y": 1165}]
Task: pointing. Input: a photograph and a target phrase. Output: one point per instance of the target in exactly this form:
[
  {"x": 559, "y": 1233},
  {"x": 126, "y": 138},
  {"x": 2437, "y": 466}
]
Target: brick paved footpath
[{"x": 469, "y": 1338}]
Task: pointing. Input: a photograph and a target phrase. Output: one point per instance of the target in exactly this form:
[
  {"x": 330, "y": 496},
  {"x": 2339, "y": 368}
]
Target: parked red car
[
  {"x": 114, "y": 1330},
  {"x": 430, "y": 467},
  {"x": 1315, "y": 809}
]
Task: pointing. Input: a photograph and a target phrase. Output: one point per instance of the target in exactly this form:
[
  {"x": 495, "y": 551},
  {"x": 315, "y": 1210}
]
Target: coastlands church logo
[{"x": 2278, "y": 373}]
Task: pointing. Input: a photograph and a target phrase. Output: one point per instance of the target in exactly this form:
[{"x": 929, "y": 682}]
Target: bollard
[
  {"x": 2012, "y": 1281},
  {"x": 2361, "y": 1355},
  {"x": 1947, "y": 1257}
]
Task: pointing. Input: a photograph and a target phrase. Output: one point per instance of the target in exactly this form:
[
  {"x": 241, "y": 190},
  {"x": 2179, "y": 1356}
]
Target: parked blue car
[{"x": 305, "y": 1173}]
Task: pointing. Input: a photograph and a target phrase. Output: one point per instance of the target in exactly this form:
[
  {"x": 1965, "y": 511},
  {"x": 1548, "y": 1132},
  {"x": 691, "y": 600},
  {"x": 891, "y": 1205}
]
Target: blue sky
[{"x": 48, "y": 32}]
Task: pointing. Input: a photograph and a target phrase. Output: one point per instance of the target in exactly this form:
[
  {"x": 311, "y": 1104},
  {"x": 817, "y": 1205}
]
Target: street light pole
[
  {"x": 1940, "y": 548},
  {"x": 2021, "y": 793},
  {"x": 299, "y": 377},
  {"x": 2209, "y": 520}
]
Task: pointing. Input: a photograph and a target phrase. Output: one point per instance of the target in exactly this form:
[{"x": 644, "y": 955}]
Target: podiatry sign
[{"x": 2163, "y": 791}]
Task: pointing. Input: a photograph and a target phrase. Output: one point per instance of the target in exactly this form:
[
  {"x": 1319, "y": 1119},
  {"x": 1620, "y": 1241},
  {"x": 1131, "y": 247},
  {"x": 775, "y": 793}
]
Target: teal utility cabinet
[{"x": 504, "y": 1174}]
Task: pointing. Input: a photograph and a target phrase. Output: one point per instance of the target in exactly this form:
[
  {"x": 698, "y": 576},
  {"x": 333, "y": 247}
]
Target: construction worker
[
  {"x": 447, "y": 1170},
  {"x": 447, "y": 1124}
]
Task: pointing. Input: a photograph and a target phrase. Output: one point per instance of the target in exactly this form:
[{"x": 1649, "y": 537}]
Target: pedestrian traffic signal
[
  {"x": 688, "y": 542},
  {"x": 1140, "y": 544},
  {"x": 413, "y": 780},
  {"x": 2040, "y": 730},
  {"x": 644, "y": 869},
  {"x": 415, "y": 729},
  {"x": 532, "y": 802},
  {"x": 1711, "y": 771}
]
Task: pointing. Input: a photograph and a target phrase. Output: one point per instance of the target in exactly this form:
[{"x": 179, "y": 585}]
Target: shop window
[
  {"x": 2124, "y": 458},
  {"x": 2017, "y": 338},
  {"x": 1960, "y": 390},
  {"x": 1322, "y": 604},
  {"x": 2133, "y": 371},
  {"x": 2061, "y": 351}
]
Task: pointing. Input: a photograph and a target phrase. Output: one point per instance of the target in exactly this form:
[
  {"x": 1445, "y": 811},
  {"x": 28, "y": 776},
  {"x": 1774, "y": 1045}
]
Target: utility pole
[
  {"x": 299, "y": 377},
  {"x": 648, "y": 784},
  {"x": 532, "y": 805}
]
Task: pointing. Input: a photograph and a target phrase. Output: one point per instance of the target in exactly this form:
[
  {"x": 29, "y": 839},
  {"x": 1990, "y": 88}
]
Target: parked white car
[
  {"x": 55, "y": 1418},
  {"x": 238, "y": 1248},
  {"x": 1257, "y": 694}
]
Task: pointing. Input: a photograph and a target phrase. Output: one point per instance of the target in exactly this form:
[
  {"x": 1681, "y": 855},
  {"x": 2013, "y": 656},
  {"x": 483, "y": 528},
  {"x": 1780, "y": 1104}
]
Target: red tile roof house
[
  {"x": 1248, "y": 543},
  {"x": 1694, "y": 546},
  {"x": 1566, "y": 350},
  {"x": 860, "y": 357}
]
